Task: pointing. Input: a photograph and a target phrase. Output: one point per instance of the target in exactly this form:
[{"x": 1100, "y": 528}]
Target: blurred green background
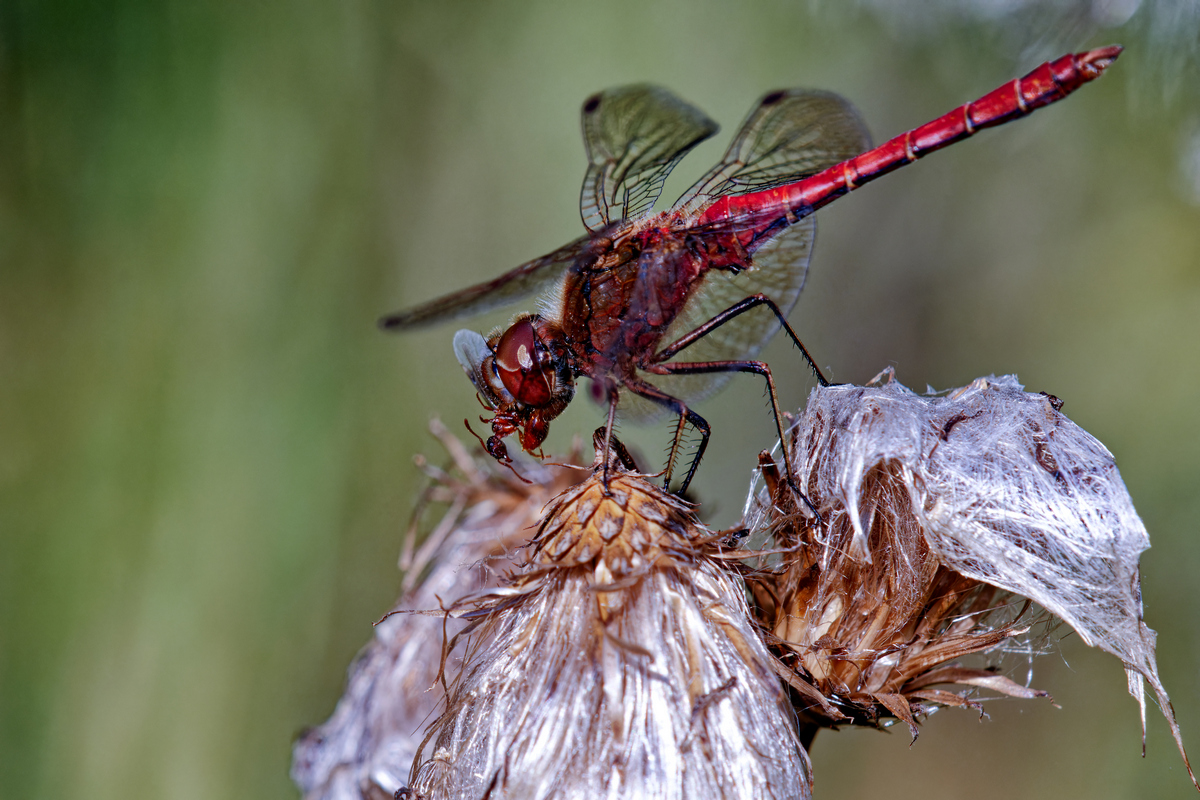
[{"x": 206, "y": 447}]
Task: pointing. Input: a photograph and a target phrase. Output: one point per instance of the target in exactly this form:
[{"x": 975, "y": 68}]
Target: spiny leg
[
  {"x": 757, "y": 368},
  {"x": 686, "y": 416},
  {"x": 676, "y": 440},
  {"x": 742, "y": 306}
]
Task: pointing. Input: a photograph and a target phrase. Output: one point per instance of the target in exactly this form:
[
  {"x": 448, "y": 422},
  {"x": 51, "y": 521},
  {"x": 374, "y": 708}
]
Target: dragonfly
[{"x": 712, "y": 278}]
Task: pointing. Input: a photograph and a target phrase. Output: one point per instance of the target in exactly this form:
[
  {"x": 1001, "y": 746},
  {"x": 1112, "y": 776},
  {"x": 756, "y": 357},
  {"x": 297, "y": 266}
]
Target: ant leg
[
  {"x": 757, "y": 368},
  {"x": 686, "y": 416},
  {"x": 753, "y": 301}
]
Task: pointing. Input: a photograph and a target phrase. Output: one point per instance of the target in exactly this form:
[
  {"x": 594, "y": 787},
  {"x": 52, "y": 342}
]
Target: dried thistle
[
  {"x": 937, "y": 512},
  {"x": 618, "y": 654},
  {"x": 620, "y": 661},
  {"x": 367, "y": 747}
]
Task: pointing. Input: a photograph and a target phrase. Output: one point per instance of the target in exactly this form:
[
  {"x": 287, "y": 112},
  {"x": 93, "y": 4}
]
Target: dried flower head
[
  {"x": 936, "y": 512},
  {"x": 366, "y": 748},
  {"x": 620, "y": 661},
  {"x": 617, "y": 654}
]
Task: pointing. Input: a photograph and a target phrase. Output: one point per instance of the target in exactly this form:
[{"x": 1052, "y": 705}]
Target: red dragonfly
[{"x": 640, "y": 288}]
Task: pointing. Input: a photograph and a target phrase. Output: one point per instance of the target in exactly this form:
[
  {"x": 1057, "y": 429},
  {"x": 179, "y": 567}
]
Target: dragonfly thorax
[{"x": 619, "y": 301}]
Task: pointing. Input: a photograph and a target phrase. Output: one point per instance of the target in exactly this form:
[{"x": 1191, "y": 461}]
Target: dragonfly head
[{"x": 523, "y": 374}]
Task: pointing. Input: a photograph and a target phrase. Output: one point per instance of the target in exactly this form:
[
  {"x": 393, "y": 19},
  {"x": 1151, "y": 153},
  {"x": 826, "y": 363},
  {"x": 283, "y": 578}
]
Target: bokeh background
[{"x": 206, "y": 447}]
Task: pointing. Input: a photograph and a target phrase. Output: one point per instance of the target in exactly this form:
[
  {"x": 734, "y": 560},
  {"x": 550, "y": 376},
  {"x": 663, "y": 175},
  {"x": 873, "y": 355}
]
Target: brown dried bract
[
  {"x": 622, "y": 529},
  {"x": 864, "y": 639}
]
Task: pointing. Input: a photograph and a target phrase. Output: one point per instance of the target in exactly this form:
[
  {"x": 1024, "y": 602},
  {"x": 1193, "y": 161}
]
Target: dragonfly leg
[
  {"x": 757, "y": 368},
  {"x": 676, "y": 441},
  {"x": 686, "y": 417},
  {"x": 753, "y": 301},
  {"x": 608, "y": 429}
]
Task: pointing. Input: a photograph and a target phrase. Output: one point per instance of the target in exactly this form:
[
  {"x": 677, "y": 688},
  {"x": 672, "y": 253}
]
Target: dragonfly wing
[
  {"x": 789, "y": 135},
  {"x": 471, "y": 350},
  {"x": 507, "y": 288},
  {"x": 778, "y": 270},
  {"x": 634, "y": 135}
]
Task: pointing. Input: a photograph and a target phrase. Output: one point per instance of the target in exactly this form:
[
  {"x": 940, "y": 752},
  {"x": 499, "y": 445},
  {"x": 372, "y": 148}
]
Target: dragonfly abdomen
[{"x": 1050, "y": 82}]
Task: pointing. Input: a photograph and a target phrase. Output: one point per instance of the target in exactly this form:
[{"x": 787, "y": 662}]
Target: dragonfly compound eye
[{"x": 523, "y": 366}]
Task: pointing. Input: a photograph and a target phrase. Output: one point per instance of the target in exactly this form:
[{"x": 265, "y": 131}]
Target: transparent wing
[
  {"x": 789, "y": 135},
  {"x": 778, "y": 270},
  {"x": 470, "y": 349},
  {"x": 634, "y": 135},
  {"x": 508, "y": 288}
]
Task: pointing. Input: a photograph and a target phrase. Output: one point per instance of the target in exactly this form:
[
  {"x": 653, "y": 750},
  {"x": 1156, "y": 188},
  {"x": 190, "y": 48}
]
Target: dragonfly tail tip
[{"x": 1100, "y": 58}]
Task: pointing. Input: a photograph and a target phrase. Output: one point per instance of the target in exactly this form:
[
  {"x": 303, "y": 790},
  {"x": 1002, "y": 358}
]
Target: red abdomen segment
[{"x": 1052, "y": 81}]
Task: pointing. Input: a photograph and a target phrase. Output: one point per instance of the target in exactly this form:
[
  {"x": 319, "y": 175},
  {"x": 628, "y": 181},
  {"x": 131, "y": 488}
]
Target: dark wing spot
[
  {"x": 591, "y": 104},
  {"x": 773, "y": 98}
]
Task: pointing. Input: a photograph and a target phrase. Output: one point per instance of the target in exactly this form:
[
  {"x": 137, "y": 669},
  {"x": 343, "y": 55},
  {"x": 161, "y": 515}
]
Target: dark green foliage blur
[{"x": 206, "y": 447}]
